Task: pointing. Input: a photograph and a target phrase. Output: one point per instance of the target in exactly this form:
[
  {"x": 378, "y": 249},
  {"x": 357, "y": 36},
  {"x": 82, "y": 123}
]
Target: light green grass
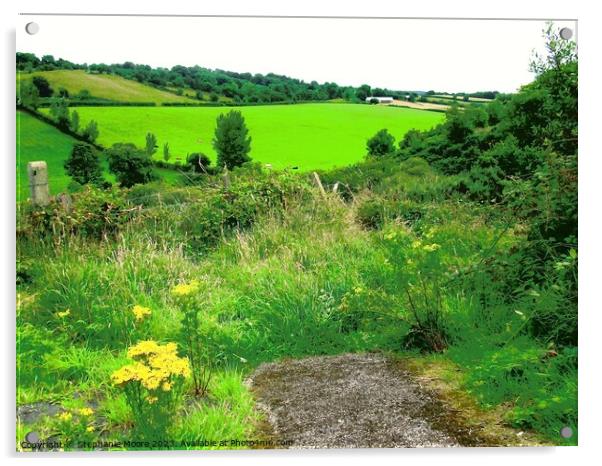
[
  {"x": 37, "y": 140},
  {"x": 104, "y": 86},
  {"x": 310, "y": 136}
]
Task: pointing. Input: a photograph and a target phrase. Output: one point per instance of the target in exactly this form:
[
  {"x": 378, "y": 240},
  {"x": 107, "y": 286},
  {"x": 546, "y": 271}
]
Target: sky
[{"x": 400, "y": 54}]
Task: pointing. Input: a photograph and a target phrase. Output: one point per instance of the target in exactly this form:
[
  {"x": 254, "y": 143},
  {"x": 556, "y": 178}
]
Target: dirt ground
[
  {"x": 419, "y": 105},
  {"x": 355, "y": 401}
]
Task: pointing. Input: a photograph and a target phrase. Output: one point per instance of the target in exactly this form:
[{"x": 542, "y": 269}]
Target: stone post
[{"x": 38, "y": 182}]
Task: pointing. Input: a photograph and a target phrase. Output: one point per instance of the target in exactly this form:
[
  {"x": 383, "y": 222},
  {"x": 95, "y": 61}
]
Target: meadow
[
  {"x": 37, "y": 140},
  {"x": 103, "y": 86},
  {"x": 307, "y": 136}
]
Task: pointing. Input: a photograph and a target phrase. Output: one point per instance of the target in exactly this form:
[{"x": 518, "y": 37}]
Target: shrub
[
  {"x": 130, "y": 165},
  {"x": 198, "y": 162},
  {"x": 90, "y": 132},
  {"x": 382, "y": 143}
]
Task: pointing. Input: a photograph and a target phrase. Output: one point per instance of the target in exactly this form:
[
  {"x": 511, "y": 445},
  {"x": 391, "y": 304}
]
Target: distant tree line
[{"x": 211, "y": 84}]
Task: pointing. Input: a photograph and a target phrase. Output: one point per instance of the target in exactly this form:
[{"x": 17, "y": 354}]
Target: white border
[{"x": 589, "y": 194}]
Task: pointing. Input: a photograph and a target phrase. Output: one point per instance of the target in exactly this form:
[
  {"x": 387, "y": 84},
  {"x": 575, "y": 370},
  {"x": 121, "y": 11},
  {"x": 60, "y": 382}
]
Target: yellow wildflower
[
  {"x": 65, "y": 416},
  {"x": 431, "y": 247},
  {"x": 64, "y": 313},
  {"x": 90, "y": 429},
  {"x": 141, "y": 312},
  {"x": 186, "y": 289},
  {"x": 86, "y": 411},
  {"x": 151, "y": 399},
  {"x": 154, "y": 365}
]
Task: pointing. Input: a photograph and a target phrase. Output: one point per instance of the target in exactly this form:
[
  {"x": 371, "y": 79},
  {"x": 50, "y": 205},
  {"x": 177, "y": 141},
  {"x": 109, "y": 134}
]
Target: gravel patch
[{"x": 346, "y": 401}]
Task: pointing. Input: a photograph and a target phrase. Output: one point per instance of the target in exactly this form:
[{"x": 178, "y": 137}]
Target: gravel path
[{"x": 346, "y": 401}]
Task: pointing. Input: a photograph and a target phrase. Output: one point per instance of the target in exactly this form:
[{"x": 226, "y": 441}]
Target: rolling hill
[{"x": 105, "y": 86}]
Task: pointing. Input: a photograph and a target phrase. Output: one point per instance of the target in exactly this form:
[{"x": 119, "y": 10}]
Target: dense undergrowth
[{"x": 414, "y": 252}]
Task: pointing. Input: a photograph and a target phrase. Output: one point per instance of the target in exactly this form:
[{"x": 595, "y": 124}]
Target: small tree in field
[
  {"x": 130, "y": 165},
  {"x": 29, "y": 95},
  {"x": 382, "y": 143},
  {"x": 231, "y": 142},
  {"x": 74, "y": 121},
  {"x": 60, "y": 112},
  {"x": 166, "y": 153},
  {"x": 83, "y": 165},
  {"x": 151, "y": 144},
  {"x": 91, "y": 131}
]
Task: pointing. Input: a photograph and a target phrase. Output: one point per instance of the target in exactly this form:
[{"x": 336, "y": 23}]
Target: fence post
[
  {"x": 318, "y": 183},
  {"x": 38, "y": 182}
]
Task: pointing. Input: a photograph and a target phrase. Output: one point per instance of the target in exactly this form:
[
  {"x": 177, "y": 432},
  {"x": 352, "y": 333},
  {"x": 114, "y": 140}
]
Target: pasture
[
  {"x": 104, "y": 86},
  {"x": 37, "y": 140},
  {"x": 308, "y": 136}
]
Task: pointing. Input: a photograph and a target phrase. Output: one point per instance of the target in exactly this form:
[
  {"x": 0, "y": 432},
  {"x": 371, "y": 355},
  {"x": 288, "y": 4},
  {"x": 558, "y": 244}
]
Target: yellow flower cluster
[
  {"x": 64, "y": 313},
  {"x": 153, "y": 366},
  {"x": 141, "y": 312},
  {"x": 65, "y": 416},
  {"x": 186, "y": 289},
  {"x": 86, "y": 411}
]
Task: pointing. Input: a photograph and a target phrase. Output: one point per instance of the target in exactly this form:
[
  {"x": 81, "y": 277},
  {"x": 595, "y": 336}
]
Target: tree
[
  {"x": 83, "y": 165},
  {"x": 60, "y": 112},
  {"x": 362, "y": 92},
  {"x": 382, "y": 143},
  {"x": 198, "y": 162},
  {"x": 130, "y": 165},
  {"x": 231, "y": 142},
  {"x": 43, "y": 86},
  {"x": 74, "y": 121},
  {"x": 28, "y": 95},
  {"x": 90, "y": 132},
  {"x": 151, "y": 144},
  {"x": 166, "y": 153}
]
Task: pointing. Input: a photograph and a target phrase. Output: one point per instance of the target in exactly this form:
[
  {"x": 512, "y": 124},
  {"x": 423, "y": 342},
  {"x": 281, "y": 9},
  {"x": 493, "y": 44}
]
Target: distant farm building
[{"x": 381, "y": 100}]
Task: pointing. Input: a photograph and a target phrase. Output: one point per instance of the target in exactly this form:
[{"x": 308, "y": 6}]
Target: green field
[
  {"x": 37, "y": 140},
  {"x": 104, "y": 86},
  {"x": 309, "y": 136}
]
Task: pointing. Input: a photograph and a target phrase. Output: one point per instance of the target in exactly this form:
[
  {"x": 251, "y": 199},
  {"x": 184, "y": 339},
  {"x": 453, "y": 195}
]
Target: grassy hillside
[
  {"x": 310, "y": 136},
  {"x": 104, "y": 86},
  {"x": 37, "y": 140}
]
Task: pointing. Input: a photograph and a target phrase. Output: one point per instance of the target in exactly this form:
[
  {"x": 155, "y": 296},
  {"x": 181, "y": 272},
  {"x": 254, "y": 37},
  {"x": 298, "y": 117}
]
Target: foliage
[
  {"x": 90, "y": 132},
  {"x": 83, "y": 165},
  {"x": 186, "y": 296},
  {"x": 382, "y": 143},
  {"x": 43, "y": 86},
  {"x": 151, "y": 144},
  {"x": 231, "y": 142},
  {"x": 198, "y": 163},
  {"x": 152, "y": 384},
  {"x": 130, "y": 165},
  {"x": 59, "y": 111}
]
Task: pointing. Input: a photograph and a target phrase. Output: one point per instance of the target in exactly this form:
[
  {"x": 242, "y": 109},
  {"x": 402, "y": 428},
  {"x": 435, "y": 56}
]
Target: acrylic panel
[{"x": 295, "y": 232}]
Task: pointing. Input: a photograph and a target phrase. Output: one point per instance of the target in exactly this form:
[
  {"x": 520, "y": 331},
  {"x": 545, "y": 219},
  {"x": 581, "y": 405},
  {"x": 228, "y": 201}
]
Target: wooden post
[
  {"x": 226, "y": 178},
  {"x": 318, "y": 183},
  {"x": 38, "y": 182}
]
